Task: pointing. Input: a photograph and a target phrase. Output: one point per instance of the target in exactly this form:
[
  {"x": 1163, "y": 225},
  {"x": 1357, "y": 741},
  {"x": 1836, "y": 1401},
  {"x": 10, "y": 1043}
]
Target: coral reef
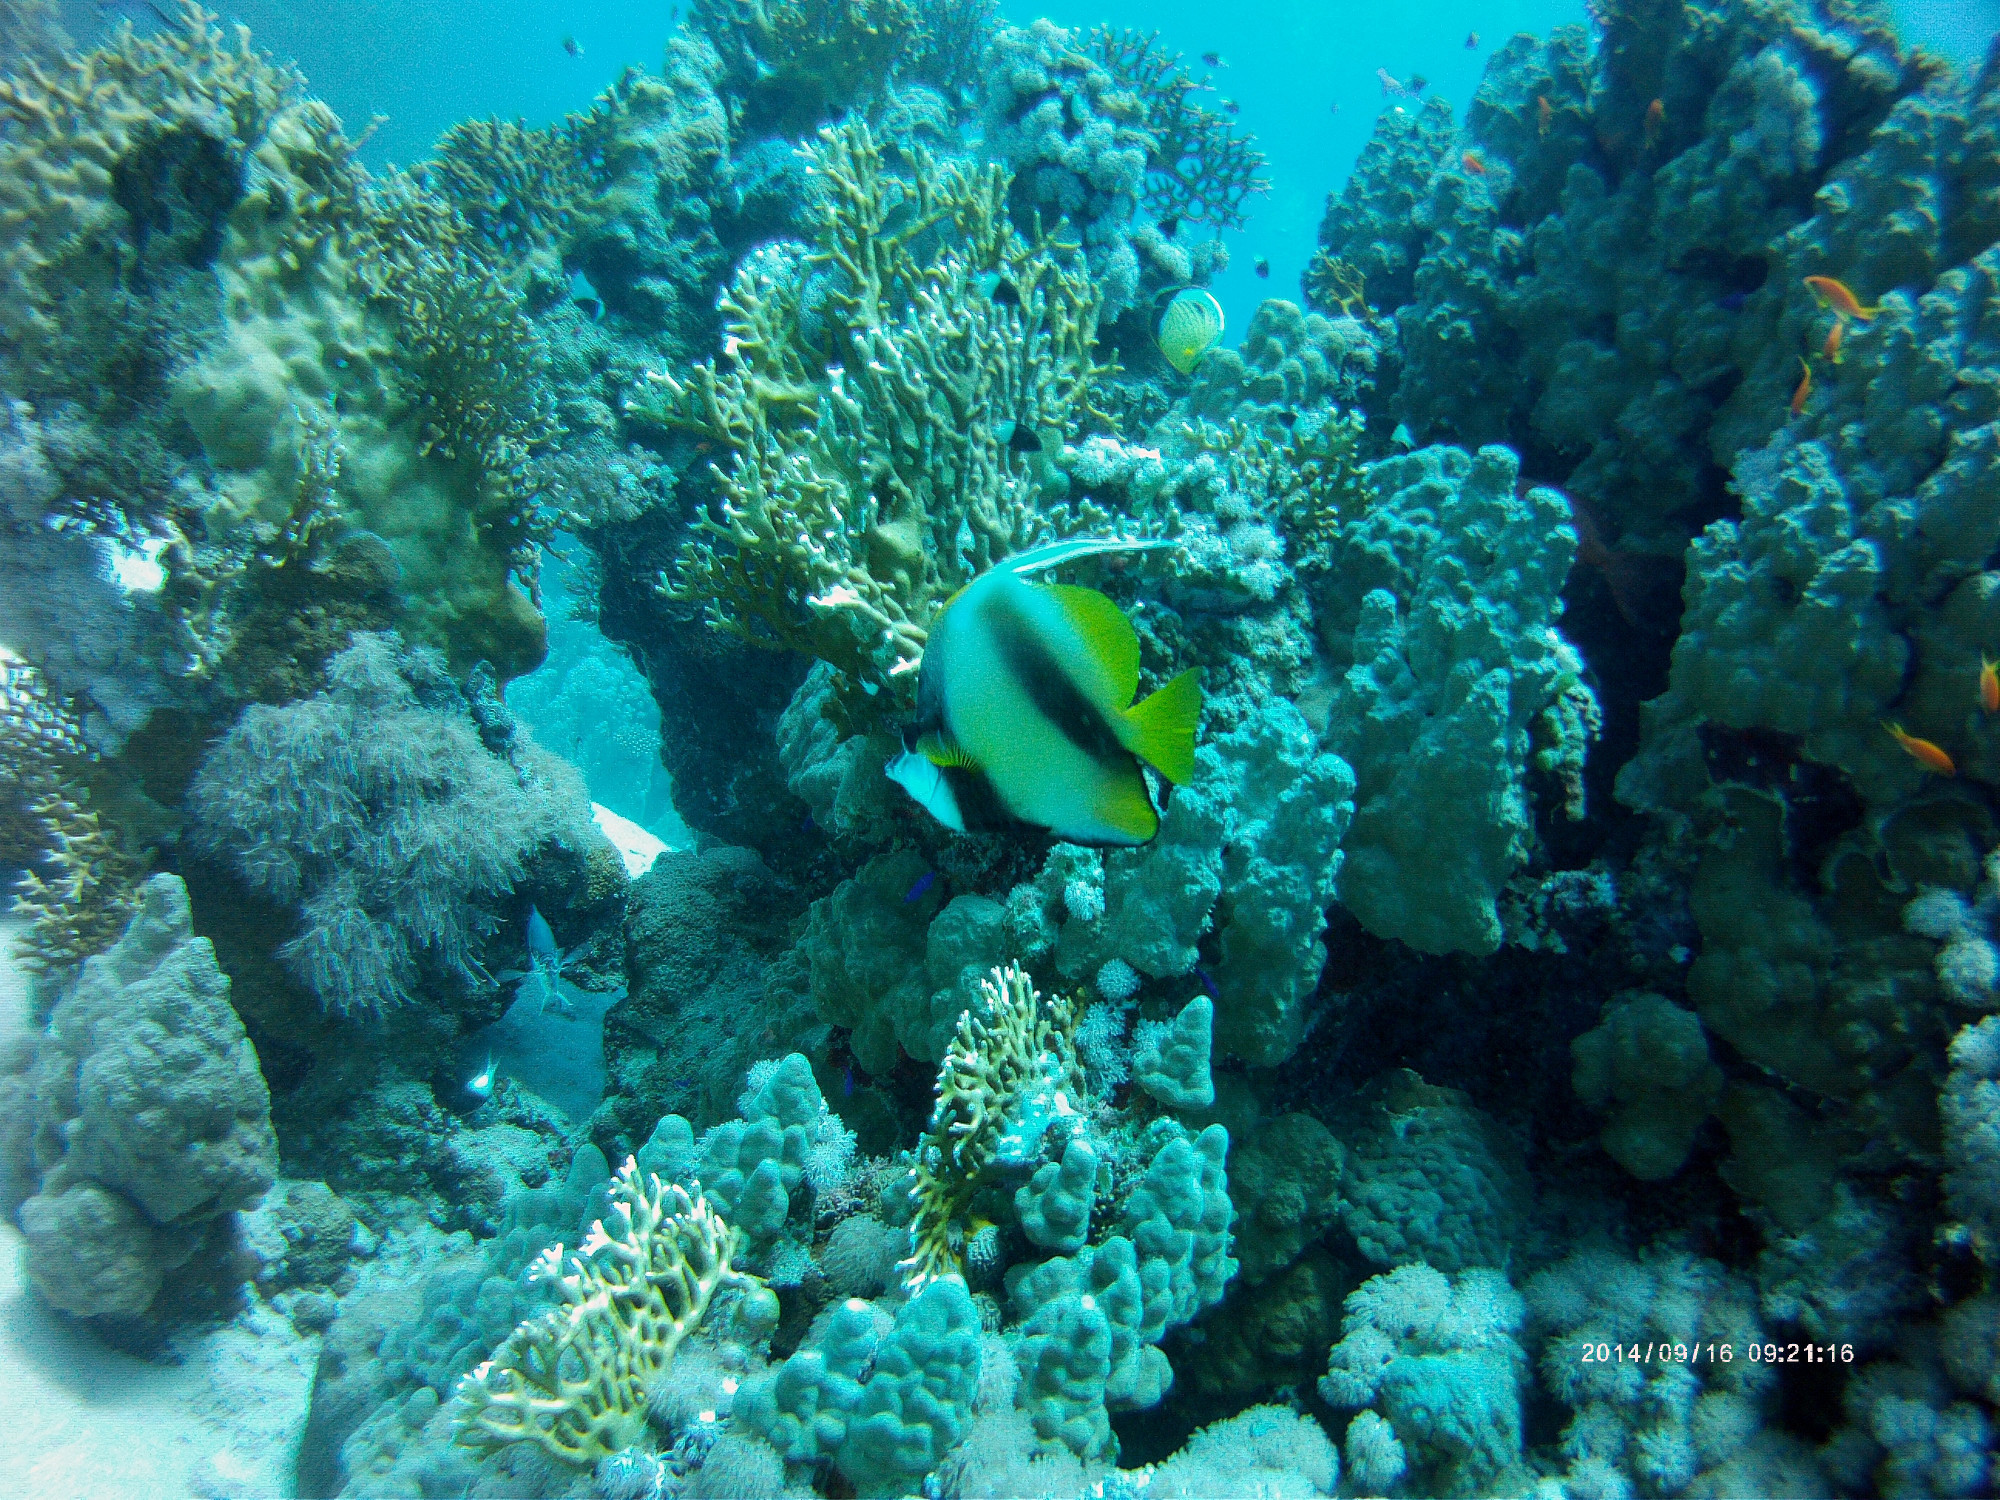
[
  {"x": 307, "y": 370},
  {"x": 1102, "y": 131},
  {"x": 141, "y": 1124},
  {"x": 1580, "y": 934},
  {"x": 854, "y": 502}
]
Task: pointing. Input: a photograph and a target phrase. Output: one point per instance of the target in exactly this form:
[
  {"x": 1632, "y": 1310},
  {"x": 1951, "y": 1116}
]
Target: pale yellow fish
[{"x": 1190, "y": 326}]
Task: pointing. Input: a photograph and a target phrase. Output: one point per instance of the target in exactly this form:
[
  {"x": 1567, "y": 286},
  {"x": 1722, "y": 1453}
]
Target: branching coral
[
  {"x": 1198, "y": 169},
  {"x": 574, "y": 1380},
  {"x": 1011, "y": 1069},
  {"x": 82, "y": 135},
  {"x": 856, "y": 503},
  {"x": 82, "y": 899},
  {"x": 1331, "y": 283},
  {"x": 519, "y": 189},
  {"x": 1313, "y": 480}
]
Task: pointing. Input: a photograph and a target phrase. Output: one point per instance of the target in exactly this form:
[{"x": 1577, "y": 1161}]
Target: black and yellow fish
[{"x": 1025, "y": 711}]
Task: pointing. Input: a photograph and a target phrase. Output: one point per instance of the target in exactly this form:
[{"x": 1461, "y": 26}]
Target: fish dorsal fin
[
  {"x": 1056, "y": 553},
  {"x": 940, "y": 749},
  {"x": 1107, "y": 633},
  {"x": 1160, "y": 731}
]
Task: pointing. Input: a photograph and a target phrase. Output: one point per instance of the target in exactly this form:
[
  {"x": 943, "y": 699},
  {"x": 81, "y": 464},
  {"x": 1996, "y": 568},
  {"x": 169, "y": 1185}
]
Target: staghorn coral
[
  {"x": 1197, "y": 167},
  {"x": 31, "y": 31},
  {"x": 1331, "y": 284},
  {"x": 574, "y": 1380},
  {"x": 855, "y": 503},
  {"x": 87, "y": 888},
  {"x": 521, "y": 190},
  {"x": 1011, "y": 1069}
]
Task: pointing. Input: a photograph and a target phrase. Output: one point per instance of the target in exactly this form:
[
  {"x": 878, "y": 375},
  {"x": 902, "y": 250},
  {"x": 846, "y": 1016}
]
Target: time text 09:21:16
[{"x": 1718, "y": 1353}]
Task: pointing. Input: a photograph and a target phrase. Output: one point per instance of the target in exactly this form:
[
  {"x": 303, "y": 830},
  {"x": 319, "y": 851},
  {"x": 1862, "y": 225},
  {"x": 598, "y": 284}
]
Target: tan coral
[
  {"x": 1018, "y": 1040},
  {"x": 87, "y": 888},
  {"x": 574, "y": 1380}
]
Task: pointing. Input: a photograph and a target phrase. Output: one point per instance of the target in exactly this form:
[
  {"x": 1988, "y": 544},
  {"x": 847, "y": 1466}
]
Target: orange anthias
[
  {"x": 1804, "y": 390},
  {"x": 1835, "y": 297},
  {"x": 1544, "y": 113},
  {"x": 1834, "y": 335},
  {"x": 1926, "y": 754},
  {"x": 1656, "y": 122},
  {"x": 1989, "y": 684},
  {"x": 1471, "y": 162}
]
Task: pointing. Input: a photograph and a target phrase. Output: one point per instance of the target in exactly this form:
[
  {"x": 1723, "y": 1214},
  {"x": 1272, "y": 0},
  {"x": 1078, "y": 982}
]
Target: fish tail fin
[{"x": 1160, "y": 730}]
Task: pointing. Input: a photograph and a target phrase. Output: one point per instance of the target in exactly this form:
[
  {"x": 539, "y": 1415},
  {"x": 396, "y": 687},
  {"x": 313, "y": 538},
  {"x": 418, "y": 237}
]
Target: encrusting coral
[{"x": 575, "y": 1380}]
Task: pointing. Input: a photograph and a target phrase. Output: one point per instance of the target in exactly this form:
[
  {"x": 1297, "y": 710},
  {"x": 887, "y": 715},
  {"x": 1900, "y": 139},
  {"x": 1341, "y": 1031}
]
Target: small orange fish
[
  {"x": 1804, "y": 390},
  {"x": 1471, "y": 162},
  {"x": 1989, "y": 684},
  {"x": 1834, "y": 335},
  {"x": 1656, "y": 122},
  {"x": 1834, "y": 296},
  {"x": 1923, "y": 752},
  {"x": 1545, "y": 113}
]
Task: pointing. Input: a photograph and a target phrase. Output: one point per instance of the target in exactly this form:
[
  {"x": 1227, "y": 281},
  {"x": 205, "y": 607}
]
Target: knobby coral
[{"x": 574, "y": 1380}]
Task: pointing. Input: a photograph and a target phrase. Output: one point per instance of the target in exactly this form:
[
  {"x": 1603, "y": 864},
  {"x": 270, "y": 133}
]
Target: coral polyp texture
[{"x": 1546, "y": 1042}]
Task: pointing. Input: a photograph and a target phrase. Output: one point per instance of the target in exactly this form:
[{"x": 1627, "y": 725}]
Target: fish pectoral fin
[
  {"x": 1106, "y": 631},
  {"x": 940, "y": 749},
  {"x": 1160, "y": 731}
]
